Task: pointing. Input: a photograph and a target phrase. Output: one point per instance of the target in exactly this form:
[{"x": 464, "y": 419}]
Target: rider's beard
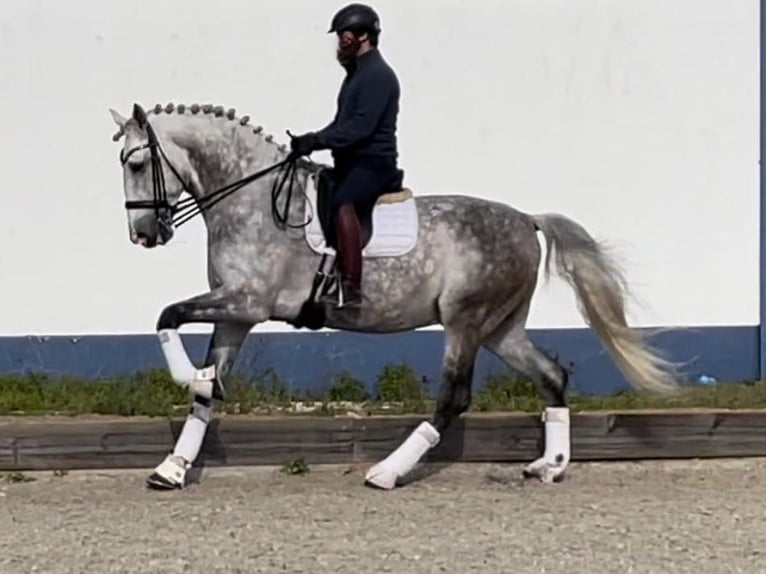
[{"x": 347, "y": 51}]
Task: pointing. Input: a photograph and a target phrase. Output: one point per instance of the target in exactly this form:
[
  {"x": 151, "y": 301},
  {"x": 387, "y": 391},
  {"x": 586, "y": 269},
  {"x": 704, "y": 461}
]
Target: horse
[{"x": 467, "y": 264}]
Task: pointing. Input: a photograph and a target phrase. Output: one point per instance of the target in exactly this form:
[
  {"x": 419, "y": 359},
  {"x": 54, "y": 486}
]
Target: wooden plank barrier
[{"x": 103, "y": 442}]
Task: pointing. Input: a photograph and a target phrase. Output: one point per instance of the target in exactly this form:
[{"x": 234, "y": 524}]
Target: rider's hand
[{"x": 303, "y": 144}]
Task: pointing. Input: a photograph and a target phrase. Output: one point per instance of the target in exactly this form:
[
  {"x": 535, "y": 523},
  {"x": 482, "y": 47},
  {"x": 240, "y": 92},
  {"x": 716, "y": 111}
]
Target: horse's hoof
[
  {"x": 157, "y": 482},
  {"x": 544, "y": 471},
  {"x": 381, "y": 477},
  {"x": 169, "y": 475}
]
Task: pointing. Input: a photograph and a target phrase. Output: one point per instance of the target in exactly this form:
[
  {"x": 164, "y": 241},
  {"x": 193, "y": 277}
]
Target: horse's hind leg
[
  {"x": 224, "y": 347},
  {"x": 458, "y": 366},
  {"x": 454, "y": 399},
  {"x": 511, "y": 343}
]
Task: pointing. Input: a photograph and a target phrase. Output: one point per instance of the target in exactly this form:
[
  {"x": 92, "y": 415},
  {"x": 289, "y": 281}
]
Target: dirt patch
[{"x": 686, "y": 516}]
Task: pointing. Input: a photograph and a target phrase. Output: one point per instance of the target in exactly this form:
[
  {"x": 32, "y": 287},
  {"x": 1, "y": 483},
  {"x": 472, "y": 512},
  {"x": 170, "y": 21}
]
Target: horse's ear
[
  {"x": 118, "y": 118},
  {"x": 139, "y": 115},
  {"x": 121, "y": 121}
]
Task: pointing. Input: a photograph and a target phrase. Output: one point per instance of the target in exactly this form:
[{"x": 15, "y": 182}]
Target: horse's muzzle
[{"x": 148, "y": 231}]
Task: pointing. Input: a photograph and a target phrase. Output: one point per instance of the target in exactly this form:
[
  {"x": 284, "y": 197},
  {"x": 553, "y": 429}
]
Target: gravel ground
[{"x": 677, "y": 517}]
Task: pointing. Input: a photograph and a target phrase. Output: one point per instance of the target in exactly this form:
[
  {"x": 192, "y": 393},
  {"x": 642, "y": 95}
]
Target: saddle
[
  {"x": 395, "y": 211},
  {"x": 325, "y": 186}
]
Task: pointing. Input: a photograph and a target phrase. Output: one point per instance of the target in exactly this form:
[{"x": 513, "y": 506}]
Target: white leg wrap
[
  {"x": 193, "y": 433},
  {"x": 403, "y": 459},
  {"x": 183, "y": 371},
  {"x": 171, "y": 472},
  {"x": 557, "y": 454}
]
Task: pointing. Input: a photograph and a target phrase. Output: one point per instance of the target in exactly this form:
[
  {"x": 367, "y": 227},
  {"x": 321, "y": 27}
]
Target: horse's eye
[{"x": 136, "y": 167}]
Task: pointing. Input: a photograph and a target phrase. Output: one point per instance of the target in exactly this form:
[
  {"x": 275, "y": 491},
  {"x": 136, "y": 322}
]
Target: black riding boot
[{"x": 349, "y": 235}]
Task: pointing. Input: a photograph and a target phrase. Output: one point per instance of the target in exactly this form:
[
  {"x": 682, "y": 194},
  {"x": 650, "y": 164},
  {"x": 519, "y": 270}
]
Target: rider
[{"x": 362, "y": 136}]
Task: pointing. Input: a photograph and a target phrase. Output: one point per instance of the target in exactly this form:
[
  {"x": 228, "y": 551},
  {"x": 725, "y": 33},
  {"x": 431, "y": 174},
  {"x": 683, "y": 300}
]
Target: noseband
[
  {"x": 186, "y": 209},
  {"x": 159, "y": 203}
]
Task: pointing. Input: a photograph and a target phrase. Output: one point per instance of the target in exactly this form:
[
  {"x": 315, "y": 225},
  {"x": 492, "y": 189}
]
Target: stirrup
[
  {"x": 337, "y": 297},
  {"x": 351, "y": 302}
]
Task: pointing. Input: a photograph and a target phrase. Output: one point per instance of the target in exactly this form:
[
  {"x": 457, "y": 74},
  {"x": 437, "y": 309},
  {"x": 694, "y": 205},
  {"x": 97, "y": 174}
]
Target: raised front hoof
[
  {"x": 158, "y": 482},
  {"x": 381, "y": 478},
  {"x": 544, "y": 471}
]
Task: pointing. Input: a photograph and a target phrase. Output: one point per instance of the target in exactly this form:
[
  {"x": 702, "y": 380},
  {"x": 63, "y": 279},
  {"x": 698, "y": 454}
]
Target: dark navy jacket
[{"x": 368, "y": 106}]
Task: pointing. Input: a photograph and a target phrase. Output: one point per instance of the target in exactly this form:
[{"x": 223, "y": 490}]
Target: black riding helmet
[{"x": 356, "y": 18}]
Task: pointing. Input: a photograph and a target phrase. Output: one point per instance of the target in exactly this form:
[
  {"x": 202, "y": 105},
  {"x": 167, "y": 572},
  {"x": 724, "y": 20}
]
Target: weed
[
  {"x": 296, "y": 467},
  {"x": 16, "y": 477},
  {"x": 348, "y": 388},
  {"x": 399, "y": 383},
  {"x": 507, "y": 394}
]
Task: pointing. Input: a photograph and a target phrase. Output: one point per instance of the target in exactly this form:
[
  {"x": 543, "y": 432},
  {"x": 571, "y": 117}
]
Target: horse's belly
[{"x": 386, "y": 316}]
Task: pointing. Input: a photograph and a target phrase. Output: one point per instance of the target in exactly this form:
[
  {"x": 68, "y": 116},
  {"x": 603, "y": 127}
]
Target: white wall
[{"x": 639, "y": 118}]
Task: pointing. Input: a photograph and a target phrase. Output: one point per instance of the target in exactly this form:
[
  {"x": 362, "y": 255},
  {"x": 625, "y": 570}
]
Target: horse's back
[{"x": 479, "y": 217}]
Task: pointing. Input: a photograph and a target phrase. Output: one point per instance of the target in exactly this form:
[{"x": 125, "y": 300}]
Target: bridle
[{"x": 186, "y": 209}]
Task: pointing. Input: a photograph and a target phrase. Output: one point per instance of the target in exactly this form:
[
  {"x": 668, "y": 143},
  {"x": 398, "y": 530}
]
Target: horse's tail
[{"x": 601, "y": 291}]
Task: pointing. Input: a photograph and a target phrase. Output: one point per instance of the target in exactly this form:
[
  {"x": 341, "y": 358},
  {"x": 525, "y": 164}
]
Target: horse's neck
[{"x": 223, "y": 152}]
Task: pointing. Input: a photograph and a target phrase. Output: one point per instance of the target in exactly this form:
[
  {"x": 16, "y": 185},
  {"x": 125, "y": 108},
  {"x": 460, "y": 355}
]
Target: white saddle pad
[{"x": 394, "y": 226}]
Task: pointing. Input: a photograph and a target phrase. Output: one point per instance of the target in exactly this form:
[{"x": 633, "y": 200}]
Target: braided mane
[{"x": 210, "y": 109}]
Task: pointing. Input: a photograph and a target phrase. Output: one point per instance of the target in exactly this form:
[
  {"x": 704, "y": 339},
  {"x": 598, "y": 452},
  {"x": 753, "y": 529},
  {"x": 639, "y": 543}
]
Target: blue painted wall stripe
[{"x": 310, "y": 361}]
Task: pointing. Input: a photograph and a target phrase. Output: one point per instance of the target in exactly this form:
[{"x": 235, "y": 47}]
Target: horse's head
[{"x": 152, "y": 185}]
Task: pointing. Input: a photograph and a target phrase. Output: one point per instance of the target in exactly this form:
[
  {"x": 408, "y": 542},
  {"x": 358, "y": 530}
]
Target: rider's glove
[{"x": 304, "y": 144}]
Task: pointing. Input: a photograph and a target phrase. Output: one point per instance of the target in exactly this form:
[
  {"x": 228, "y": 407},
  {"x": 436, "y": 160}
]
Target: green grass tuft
[
  {"x": 400, "y": 383},
  {"x": 152, "y": 393},
  {"x": 511, "y": 394},
  {"x": 399, "y": 390},
  {"x": 297, "y": 467},
  {"x": 16, "y": 477},
  {"x": 348, "y": 388}
]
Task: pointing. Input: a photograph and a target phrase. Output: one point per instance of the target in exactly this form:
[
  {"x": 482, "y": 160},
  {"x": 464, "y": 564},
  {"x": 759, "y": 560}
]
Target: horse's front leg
[
  {"x": 237, "y": 308},
  {"x": 225, "y": 344}
]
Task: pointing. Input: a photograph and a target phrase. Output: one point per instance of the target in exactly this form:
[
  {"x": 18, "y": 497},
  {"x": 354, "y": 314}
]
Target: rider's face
[{"x": 348, "y": 46}]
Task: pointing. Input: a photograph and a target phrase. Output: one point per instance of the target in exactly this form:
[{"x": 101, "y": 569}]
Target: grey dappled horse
[{"x": 473, "y": 270}]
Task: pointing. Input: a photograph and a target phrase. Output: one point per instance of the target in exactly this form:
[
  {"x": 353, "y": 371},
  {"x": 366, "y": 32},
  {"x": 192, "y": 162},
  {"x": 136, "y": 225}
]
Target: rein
[{"x": 186, "y": 209}]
